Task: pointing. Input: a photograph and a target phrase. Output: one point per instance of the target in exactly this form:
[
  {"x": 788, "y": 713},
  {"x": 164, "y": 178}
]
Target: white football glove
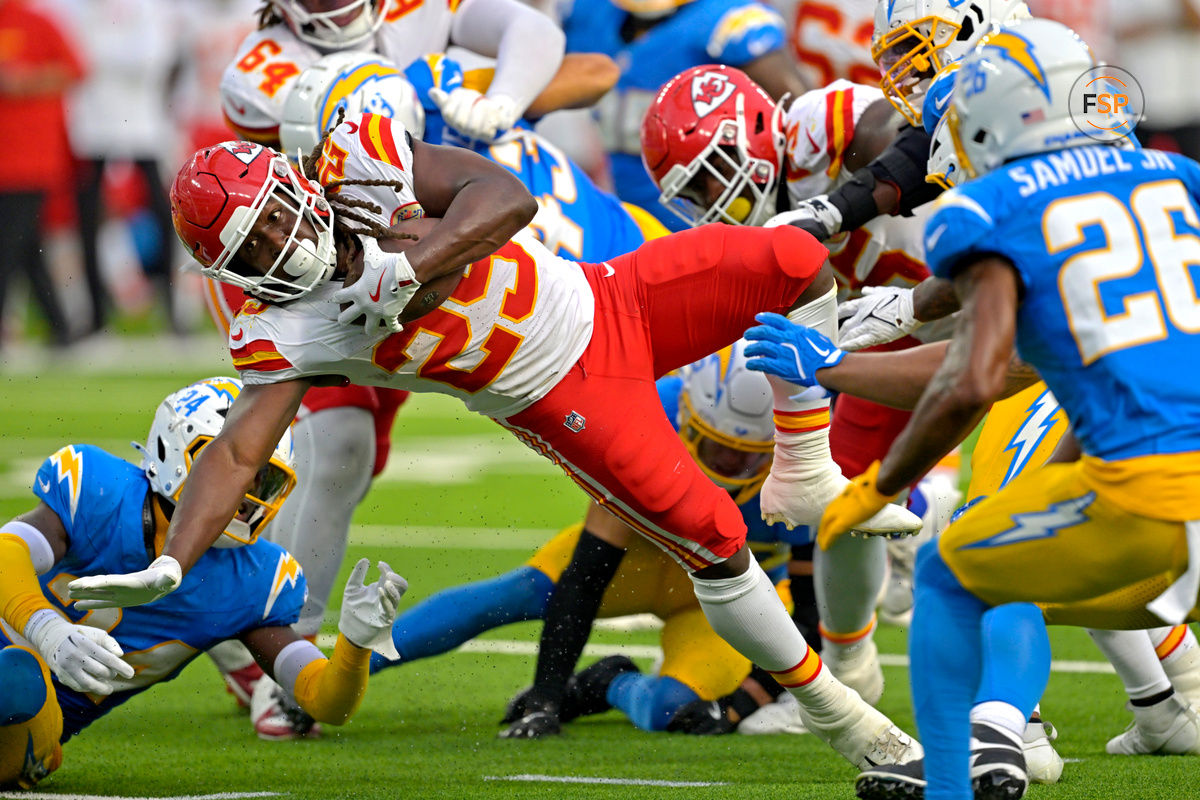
[
  {"x": 883, "y": 314},
  {"x": 162, "y": 577},
  {"x": 85, "y": 659},
  {"x": 474, "y": 115},
  {"x": 816, "y": 215},
  {"x": 368, "y": 610},
  {"x": 382, "y": 291}
]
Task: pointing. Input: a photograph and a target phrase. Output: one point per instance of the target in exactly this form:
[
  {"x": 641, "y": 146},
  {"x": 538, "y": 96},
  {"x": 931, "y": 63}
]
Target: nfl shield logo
[{"x": 575, "y": 421}]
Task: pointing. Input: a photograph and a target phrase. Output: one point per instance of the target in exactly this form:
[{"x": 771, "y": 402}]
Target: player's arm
[
  {"x": 85, "y": 659},
  {"x": 776, "y": 73},
  {"x": 886, "y": 313},
  {"x": 480, "y": 203},
  {"x": 330, "y": 689},
  {"x": 568, "y": 623},
  {"x": 216, "y": 485},
  {"x": 580, "y": 82}
]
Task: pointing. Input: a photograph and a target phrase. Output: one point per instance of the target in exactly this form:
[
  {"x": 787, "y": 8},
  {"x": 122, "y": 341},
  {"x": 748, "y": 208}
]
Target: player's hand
[
  {"x": 476, "y": 116},
  {"x": 85, "y": 659},
  {"x": 858, "y": 502},
  {"x": 162, "y": 577},
  {"x": 701, "y": 718},
  {"x": 816, "y": 216},
  {"x": 883, "y": 314},
  {"x": 792, "y": 352},
  {"x": 382, "y": 291},
  {"x": 369, "y": 609}
]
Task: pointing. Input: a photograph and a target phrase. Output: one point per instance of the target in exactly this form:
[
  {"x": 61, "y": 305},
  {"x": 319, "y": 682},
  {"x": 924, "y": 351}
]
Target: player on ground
[
  {"x": 63, "y": 667},
  {"x": 564, "y": 355},
  {"x": 724, "y": 415},
  {"x": 1030, "y": 236}
]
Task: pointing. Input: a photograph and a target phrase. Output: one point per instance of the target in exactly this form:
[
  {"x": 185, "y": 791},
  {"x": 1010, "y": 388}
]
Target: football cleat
[
  {"x": 997, "y": 763},
  {"x": 857, "y": 667},
  {"x": 1184, "y": 671},
  {"x": 277, "y": 717},
  {"x": 1171, "y": 727},
  {"x": 701, "y": 718},
  {"x": 241, "y": 682},
  {"x": 892, "y": 782},
  {"x": 1042, "y": 761},
  {"x": 534, "y": 725},
  {"x": 863, "y": 735},
  {"x": 587, "y": 690},
  {"x": 797, "y": 493},
  {"x": 781, "y": 716}
]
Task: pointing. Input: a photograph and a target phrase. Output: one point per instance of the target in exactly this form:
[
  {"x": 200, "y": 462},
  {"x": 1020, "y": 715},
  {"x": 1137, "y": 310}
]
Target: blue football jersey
[
  {"x": 732, "y": 32},
  {"x": 1106, "y": 243},
  {"x": 101, "y": 500}
]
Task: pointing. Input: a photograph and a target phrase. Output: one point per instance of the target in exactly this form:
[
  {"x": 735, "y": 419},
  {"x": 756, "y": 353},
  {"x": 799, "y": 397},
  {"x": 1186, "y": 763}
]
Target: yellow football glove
[{"x": 859, "y": 501}]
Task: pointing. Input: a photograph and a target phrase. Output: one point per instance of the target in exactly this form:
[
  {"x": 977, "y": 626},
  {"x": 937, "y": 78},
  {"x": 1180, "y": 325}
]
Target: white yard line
[{"x": 605, "y": 781}]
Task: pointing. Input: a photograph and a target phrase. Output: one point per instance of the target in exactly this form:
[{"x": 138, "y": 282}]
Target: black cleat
[
  {"x": 997, "y": 764},
  {"x": 536, "y": 725},
  {"x": 587, "y": 689},
  {"x": 892, "y": 782}
]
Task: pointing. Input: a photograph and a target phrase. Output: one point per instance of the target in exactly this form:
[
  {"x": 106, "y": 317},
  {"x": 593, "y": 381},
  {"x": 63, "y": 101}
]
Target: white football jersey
[
  {"x": 412, "y": 28},
  {"x": 515, "y": 324},
  {"x": 820, "y": 127},
  {"x": 256, "y": 83},
  {"x": 831, "y": 39}
]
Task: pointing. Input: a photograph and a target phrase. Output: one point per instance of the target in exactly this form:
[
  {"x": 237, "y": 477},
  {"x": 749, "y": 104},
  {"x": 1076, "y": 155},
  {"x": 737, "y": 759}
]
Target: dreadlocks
[{"x": 344, "y": 207}]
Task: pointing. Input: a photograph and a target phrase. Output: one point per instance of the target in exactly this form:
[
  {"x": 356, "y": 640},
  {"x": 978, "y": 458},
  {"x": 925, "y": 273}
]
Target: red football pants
[{"x": 670, "y": 302}]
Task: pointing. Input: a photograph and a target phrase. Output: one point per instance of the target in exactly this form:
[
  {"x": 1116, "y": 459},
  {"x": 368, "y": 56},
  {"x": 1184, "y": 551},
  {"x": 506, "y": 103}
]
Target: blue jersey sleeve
[
  {"x": 959, "y": 227},
  {"x": 746, "y": 32},
  {"x": 1189, "y": 174},
  {"x": 670, "y": 387},
  {"x": 83, "y": 484}
]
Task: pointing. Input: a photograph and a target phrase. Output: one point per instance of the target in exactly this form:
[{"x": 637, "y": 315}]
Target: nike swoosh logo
[
  {"x": 608, "y": 270},
  {"x": 941, "y": 102},
  {"x": 819, "y": 351},
  {"x": 932, "y": 240},
  {"x": 44, "y": 485},
  {"x": 378, "y": 290},
  {"x": 237, "y": 337}
]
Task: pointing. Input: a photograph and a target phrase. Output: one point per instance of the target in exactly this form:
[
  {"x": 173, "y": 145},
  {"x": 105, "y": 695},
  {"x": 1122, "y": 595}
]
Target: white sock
[
  {"x": 1001, "y": 715},
  {"x": 847, "y": 578},
  {"x": 746, "y": 612},
  {"x": 230, "y": 656},
  {"x": 1133, "y": 657},
  {"x": 1172, "y": 645}
]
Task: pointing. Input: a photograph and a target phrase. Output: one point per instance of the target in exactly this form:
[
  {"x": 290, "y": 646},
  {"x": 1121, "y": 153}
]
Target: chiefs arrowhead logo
[
  {"x": 245, "y": 152},
  {"x": 709, "y": 91}
]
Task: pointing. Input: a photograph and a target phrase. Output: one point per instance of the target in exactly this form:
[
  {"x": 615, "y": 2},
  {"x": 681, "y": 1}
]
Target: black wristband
[
  {"x": 571, "y": 611},
  {"x": 904, "y": 164},
  {"x": 855, "y": 200}
]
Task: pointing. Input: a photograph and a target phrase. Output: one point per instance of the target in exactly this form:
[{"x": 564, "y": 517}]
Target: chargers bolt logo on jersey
[{"x": 709, "y": 91}]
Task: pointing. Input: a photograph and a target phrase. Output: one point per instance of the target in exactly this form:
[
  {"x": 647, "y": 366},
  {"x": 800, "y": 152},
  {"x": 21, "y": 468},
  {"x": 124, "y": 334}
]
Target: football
[{"x": 431, "y": 294}]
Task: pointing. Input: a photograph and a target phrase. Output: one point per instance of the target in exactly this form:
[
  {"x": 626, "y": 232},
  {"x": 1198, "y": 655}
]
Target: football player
[
  {"x": 723, "y": 413},
  {"x": 563, "y": 355},
  {"x": 1027, "y": 261},
  {"x": 63, "y": 667},
  {"x": 653, "y": 40}
]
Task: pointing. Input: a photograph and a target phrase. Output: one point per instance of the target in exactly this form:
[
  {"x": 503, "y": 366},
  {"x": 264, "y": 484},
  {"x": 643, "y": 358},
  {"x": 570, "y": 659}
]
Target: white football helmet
[
  {"x": 348, "y": 23},
  {"x": 1011, "y": 95},
  {"x": 184, "y": 423},
  {"x": 354, "y": 82},
  {"x": 726, "y": 419},
  {"x": 914, "y": 39},
  {"x": 943, "y": 166}
]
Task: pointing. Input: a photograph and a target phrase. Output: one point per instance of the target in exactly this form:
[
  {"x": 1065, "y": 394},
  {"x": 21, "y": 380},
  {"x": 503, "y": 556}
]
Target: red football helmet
[
  {"x": 712, "y": 128},
  {"x": 331, "y": 24},
  {"x": 218, "y": 196}
]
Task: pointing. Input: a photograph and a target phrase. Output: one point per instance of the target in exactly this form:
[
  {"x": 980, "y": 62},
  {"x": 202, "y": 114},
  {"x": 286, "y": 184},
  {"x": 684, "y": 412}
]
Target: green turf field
[{"x": 462, "y": 501}]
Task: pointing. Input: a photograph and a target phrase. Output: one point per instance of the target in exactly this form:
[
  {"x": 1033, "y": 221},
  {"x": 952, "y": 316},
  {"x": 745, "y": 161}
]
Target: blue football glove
[{"x": 793, "y": 352}]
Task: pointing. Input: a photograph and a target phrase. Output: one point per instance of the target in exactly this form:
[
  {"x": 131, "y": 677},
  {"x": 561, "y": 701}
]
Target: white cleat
[
  {"x": 863, "y": 735},
  {"x": 781, "y": 716},
  {"x": 1171, "y": 727},
  {"x": 1042, "y": 761},
  {"x": 796, "y": 503},
  {"x": 857, "y": 667}
]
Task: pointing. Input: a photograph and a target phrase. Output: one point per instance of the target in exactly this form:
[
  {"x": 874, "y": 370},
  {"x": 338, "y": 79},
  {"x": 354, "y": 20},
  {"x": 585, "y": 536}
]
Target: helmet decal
[
  {"x": 1017, "y": 49},
  {"x": 709, "y": 91},
  {"x": 244, "y": 152}
]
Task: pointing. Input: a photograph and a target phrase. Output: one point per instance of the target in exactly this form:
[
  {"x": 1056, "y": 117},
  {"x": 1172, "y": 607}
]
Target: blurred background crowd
[{"x": 101, "y": 101}]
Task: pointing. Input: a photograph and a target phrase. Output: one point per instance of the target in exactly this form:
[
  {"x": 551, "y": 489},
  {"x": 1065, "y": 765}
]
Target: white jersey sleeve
[
  {"x": 820, "y": 126},
  {"x": 412, "y": 29},
  {"x": 373, "y": 148},
  {"x": 256, "y": 83}
]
